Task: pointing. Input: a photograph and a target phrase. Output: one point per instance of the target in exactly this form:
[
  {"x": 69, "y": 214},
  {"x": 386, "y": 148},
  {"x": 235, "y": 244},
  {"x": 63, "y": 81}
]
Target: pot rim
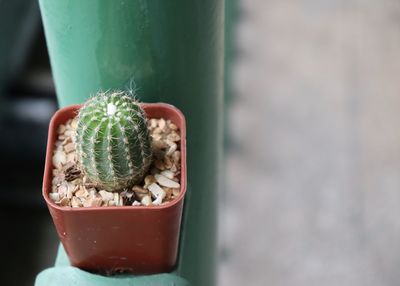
[{"x": 49, "y": 165}]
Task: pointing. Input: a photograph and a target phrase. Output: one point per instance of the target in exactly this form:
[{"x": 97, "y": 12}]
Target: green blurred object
[
  {"x": 64, "y": 274},
  {"x": 169, "y": 51}
]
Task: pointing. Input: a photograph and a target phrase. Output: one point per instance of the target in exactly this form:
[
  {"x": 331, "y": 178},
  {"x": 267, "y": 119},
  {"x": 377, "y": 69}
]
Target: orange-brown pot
[{"x": 135, "y": 239}]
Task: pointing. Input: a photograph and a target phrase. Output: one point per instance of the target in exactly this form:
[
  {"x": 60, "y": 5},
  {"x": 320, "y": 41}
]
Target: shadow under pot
[{"x": 134, "y": 239}]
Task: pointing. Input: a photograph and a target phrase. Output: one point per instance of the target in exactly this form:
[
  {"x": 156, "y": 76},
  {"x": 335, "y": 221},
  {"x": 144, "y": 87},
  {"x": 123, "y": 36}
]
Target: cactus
[{"x": 112, "y": 140}]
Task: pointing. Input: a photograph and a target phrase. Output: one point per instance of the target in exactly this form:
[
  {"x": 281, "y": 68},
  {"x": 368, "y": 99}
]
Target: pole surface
[{"x": 173, "y": 51}]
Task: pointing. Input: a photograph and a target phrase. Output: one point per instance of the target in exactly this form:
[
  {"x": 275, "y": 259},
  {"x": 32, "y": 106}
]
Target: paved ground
[{"x": 313, "y": 192}]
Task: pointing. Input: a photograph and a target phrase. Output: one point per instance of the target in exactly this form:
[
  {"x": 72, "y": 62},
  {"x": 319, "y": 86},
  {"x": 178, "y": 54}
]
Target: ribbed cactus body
[{"x": 112, "y": 140}]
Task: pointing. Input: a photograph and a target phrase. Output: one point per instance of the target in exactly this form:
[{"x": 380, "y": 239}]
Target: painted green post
[{"x": 173, "y": 52}]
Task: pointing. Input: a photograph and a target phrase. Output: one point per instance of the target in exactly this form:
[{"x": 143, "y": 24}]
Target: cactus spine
[{"x": 112, "y": 140}]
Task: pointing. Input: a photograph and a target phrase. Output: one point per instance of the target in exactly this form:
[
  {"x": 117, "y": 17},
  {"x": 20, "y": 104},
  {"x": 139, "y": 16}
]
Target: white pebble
[
  {"x": 59, "y": 159},
  {"x": 81, "y": 193},
  {"x": 164, "y": 181},
  {"x": 64, "y": 202},
  {"x": 172, "y": 148},
  {"x": 157, "y": 191},
  {"x": 71, "y": 157},
  {"x": 153, "y": 123},
  {"x": 158, "y": 201},
  {"x": 75, "y": 202},
  {"x": 161, "y": 124},
  {"x": 61, "y": 129},
  {"x": 55, "y": 197},
  {"x": 74, "y": 123},
  {"x": 69, "y": 133},
  {"x": 146, "y": 200},
  {"x": 167, "y": 173},
  {"x": 106, "y": 196}
]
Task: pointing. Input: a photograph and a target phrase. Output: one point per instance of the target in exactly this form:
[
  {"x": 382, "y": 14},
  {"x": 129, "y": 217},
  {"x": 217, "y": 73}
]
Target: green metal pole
[{"x": 173, "y": 51}]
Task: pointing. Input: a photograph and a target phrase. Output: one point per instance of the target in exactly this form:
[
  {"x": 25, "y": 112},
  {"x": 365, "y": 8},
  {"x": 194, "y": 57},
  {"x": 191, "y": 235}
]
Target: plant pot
[{"x": 135, "y": 239}]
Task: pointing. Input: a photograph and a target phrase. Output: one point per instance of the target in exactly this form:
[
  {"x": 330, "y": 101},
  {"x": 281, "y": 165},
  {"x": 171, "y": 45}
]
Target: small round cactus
[{"x": 112, "y": 140}]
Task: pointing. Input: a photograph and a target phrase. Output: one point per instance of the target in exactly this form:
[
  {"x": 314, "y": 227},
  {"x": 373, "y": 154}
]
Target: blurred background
[
  {"x": 313, "y": 171},
  {"x": 312, "y": 143},
  {"x": 27, "y": 101}
]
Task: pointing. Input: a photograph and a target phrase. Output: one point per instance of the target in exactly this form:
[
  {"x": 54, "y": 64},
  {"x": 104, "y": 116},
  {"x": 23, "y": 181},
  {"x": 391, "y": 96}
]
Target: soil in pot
[{"x": 71, "y": 188}]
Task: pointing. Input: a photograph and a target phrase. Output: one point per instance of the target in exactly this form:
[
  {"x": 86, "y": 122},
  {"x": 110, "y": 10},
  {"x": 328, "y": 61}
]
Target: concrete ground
[{"x": 313, "y": 179}]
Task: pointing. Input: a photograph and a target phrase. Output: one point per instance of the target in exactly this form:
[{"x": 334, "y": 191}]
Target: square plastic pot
[{"x": 134, "y": 239}]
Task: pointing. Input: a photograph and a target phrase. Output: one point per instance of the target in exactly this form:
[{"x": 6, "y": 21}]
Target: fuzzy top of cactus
[{"x": 112, "y": 140}]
